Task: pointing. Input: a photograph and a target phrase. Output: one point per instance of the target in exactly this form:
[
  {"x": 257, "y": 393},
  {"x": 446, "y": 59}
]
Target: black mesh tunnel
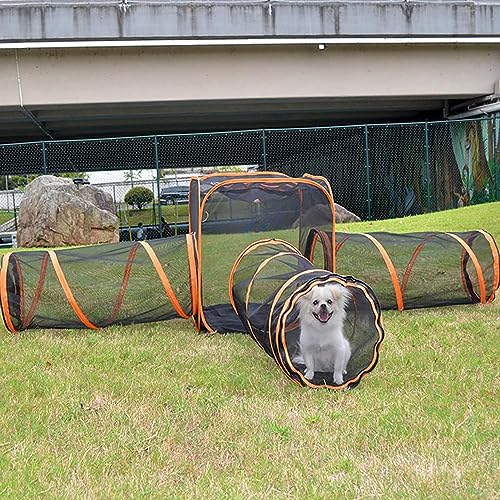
[
  {"x": 415, "y": 270},
  {"x": 267, "y": 281},
  {"x": 99, "y": 285}
]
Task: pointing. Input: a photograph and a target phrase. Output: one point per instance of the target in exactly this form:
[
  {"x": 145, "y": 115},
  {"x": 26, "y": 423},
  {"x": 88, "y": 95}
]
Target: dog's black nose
[{"x": 322, "y": 306}]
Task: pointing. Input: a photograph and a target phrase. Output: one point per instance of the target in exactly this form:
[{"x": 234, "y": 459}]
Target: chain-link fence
[{"x": 376, "y": 171}]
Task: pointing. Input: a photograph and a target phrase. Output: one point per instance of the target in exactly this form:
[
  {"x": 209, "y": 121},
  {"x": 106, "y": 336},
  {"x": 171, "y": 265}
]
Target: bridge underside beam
[{"x": 127, "y": 91}]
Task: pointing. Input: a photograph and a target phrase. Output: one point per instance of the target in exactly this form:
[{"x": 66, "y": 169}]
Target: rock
[
  {"x": 343, "y": 215},
  {"x": 56, "y": 212},
  {"x": 317, "y": 214}
]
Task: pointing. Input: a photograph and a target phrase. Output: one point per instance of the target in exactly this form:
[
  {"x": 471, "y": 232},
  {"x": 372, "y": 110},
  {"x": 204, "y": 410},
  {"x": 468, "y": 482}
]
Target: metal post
[
  {"x": 367, "y": 167},
  {"x": 264, "y": 150},
  {"x": 44, "y": 158},
  {"x": 15, "y": 211},
  {"x": 157, "y": 164},
  {"x": 496, "y": 157},
  {"x": 427, "y": 167}
]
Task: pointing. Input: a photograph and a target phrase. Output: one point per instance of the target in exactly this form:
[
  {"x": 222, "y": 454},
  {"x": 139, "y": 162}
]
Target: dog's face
[{"x": 324, "y": 304}]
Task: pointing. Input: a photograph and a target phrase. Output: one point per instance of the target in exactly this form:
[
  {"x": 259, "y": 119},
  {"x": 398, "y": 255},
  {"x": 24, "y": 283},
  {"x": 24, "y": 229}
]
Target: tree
[
  {"x": 227, "y": 168},
  {"x": 132, "y": 175},
  {"x": 139, "y": 196}
]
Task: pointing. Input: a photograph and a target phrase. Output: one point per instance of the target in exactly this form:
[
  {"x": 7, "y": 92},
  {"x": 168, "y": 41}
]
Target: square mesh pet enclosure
[{"x": 228, "y": 211}]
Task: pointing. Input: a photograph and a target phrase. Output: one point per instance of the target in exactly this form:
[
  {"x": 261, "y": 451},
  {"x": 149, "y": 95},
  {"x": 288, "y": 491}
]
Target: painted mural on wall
[{"x": 473, "y": 146}]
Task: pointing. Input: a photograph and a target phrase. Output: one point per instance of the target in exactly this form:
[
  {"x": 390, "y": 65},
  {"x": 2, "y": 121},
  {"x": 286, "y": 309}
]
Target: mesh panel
[
  {"x": 115, "y": 283},
  {"x": 210, "y": 150},
  {"x": 237, "y": 210},
  {"x": 272, "y": 284},
  {"x": 336, "y": 153},
  {"x": 95, "y": 155},
  {"x": 21, "y": 159}
]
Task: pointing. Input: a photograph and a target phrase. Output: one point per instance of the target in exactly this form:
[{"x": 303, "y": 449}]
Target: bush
[{"x": 139, "y": 196}]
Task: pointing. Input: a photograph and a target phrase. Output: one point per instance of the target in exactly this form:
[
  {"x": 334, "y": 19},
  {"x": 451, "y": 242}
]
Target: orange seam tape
[
  {"x": 38, "y": 292},
  {"x": 164, "y": 280},
  {"x": 3, "y": 292},
  {"x": 411, "y": 262},
  {"x": 496, "y": 264},
  {"x": 67, "y": 291},
  {"x": 392, "y": 270},
  {"x": 477, "y": 265},
  {"x": 192, "y": 273}
]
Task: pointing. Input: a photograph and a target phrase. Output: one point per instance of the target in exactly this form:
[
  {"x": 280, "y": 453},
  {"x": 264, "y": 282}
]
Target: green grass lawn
[
  {"x": 5, "y": 216},
  {"x": 158, "y": 411},
  {"x": 485, "y": 217}
]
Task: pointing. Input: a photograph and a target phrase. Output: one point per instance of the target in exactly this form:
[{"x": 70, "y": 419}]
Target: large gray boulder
[
  {"x": 318, "y": 214},
  {"x": 55, "y": 211},
  {"x": 344, "y": 215}
]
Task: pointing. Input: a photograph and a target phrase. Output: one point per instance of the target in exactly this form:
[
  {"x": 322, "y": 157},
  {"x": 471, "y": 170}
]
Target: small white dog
[{"x": 322, "y": 343}]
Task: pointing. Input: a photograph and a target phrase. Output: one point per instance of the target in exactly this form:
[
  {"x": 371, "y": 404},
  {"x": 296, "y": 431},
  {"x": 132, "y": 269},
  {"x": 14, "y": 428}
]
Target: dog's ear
[
  {"x": 304, "y": 299},
  {"x": 340, "y": 294}
]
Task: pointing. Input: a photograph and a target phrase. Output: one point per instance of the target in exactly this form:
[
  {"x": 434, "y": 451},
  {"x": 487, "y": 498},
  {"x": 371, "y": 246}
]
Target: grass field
[
  {"x": 5, "y": 216},
  {"x": 157, "y": 411}
]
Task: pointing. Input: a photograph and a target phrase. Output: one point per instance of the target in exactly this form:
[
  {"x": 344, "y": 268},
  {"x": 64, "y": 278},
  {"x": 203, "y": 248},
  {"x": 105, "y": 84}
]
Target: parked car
[{"x": 174, "y": 195}]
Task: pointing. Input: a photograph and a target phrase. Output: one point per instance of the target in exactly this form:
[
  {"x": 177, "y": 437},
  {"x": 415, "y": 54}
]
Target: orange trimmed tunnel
[
  {"x": 100, "y": 285},
  {"x": 415, "y": 270},
  {"x": 267, "y": 282}
]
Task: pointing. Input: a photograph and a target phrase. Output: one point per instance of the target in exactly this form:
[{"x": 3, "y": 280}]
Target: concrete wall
[
  {"x": 69, "y": 76},
  {"x": 90, "y": 19}
]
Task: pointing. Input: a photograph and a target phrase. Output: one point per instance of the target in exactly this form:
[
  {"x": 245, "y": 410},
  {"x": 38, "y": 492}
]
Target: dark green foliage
[{"x": 139, "y": 196}]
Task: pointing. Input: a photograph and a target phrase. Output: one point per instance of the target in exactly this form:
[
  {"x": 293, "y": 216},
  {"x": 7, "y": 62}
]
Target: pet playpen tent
[
  {"x": 99, "y": 285},
  {"x": 415, "y": 270},
  {"x": 228, "y": 211},
  {"x": 266, "y": 282}
]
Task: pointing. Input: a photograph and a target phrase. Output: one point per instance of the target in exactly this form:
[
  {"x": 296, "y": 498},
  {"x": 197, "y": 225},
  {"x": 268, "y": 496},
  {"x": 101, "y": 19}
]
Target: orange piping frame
[
  {"x": 411, "y": 262},
  {"x": 261, "y": 266},
  {"x": 477, "y": 265},
  {"x": 242, "y": 175},
  {"x": 391, "y": 269},
  {"x": 327, "y": 255},
  {"x": 190, "y": 246},
  {"x": 38, "y": 292},
  {"x": 463, "y": 272},
  {"x": 3, "y": 292},
  {"x": 343, "y": 240},
  {"x": 496, "y": 263},
  {"x": 288, "y": 307},
  {"x": 21, "y": 288},
  {"x": 250, "y": 248},
  {"x": 323, "y": 178},
  {"x": 279, "y": 293},
  {"x": 310, "y": 255},
  {"x": 270, "y": 180},
  {"x": 67, "y": 291},
  {"x": 123, "y": 287},
  {"x": 163, "y": 278}
]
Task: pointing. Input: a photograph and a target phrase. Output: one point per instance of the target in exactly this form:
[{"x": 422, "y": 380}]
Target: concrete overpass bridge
[{"x": 112, "y": 68}]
